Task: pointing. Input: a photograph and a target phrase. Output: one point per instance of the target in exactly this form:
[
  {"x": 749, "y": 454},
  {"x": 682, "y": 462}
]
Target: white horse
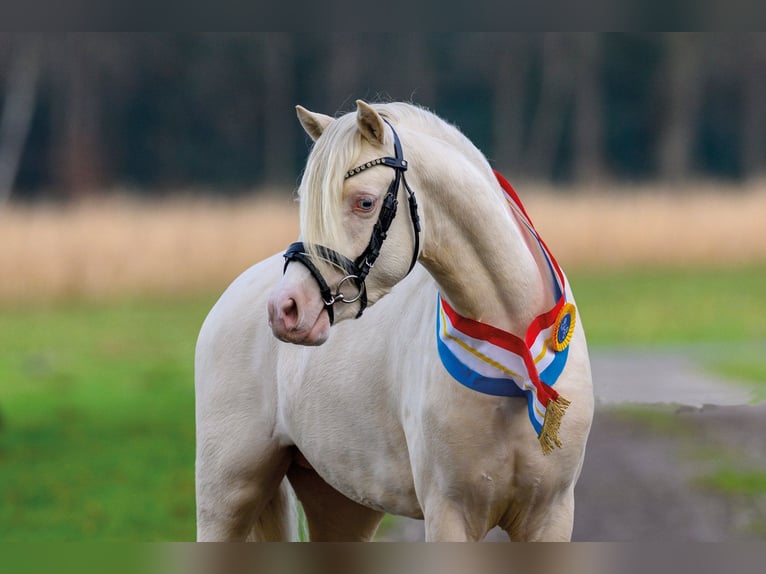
[{"x": 363, "y": 419}]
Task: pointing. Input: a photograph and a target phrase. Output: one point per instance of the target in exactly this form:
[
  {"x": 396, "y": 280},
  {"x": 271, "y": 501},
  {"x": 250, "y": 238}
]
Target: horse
[{"x": 319, "y": 374}]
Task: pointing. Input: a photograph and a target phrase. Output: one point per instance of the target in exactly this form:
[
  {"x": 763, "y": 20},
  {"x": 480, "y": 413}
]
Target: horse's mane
[{"x": 338, "y": 149}]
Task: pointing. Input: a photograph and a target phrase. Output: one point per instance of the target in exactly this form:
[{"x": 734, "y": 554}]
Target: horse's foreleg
[
  {"x": 238, "y": 486},
  {"x": 447, "y": 521},
  {"x": 552, "y": 523}
]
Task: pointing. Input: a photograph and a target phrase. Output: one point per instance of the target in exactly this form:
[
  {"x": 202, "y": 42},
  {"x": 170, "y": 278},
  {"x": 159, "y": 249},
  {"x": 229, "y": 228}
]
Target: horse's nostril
[{"x": 289, "y": 312}]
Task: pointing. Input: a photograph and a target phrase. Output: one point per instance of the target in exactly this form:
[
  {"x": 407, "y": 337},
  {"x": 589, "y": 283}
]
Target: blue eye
[{"x": 365, "y": 204}]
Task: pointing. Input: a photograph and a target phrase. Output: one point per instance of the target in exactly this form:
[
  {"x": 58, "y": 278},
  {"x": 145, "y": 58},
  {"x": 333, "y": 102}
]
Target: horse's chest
[{"x": 349, "y": 435}]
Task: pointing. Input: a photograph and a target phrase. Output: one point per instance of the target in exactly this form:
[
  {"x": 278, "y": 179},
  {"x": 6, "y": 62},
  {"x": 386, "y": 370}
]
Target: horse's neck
[{"x": 486, "y": 266}]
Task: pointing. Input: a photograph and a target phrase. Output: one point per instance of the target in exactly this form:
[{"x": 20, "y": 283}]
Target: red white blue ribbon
[{"x": 495, "y": 362}]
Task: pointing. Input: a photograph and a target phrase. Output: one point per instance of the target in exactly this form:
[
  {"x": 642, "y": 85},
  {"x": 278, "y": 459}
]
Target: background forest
[{"x": 84, "y": 113}]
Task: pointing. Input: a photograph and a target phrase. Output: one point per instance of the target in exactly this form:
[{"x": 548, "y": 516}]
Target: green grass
[
  {"x": 744, "y": 482},
  {"x": 658, "y": 419},
  {"x": 745, "y": 363},
  {"x": 672, "y": 306},
  {"x": 97, "y": 429},
  {"x": 97, "y": 407}
]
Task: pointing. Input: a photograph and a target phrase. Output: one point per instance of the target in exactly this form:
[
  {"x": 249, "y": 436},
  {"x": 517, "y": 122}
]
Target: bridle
[{"x": 356, "y": 271}]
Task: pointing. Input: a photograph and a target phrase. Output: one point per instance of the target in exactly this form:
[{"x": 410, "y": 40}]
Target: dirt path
[
  {"x": 647, "y": 476},
  {"x": 622, "y": 375},
  {"x": 648, "y": 469}
]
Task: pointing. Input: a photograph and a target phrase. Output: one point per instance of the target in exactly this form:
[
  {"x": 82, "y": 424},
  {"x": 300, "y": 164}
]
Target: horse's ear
[
  {"x": 312, "y": 122},
  {"x": 370, "y": 123}
]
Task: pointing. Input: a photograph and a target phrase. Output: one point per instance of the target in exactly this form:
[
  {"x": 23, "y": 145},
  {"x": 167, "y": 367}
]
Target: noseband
[{"x": 356, "y": 271}]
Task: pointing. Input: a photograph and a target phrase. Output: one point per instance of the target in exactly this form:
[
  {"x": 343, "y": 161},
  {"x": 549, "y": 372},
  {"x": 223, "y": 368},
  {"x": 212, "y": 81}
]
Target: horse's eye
[{"x": 365, "y": 204}]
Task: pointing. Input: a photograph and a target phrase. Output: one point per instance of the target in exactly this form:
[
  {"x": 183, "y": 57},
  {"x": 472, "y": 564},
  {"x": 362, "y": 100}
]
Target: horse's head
[{"x": 353, "y": 249}]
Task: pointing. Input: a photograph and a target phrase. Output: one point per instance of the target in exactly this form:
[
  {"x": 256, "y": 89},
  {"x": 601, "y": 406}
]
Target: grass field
[
  {"x": 96, "y": 371},
  {"x": 96, "y": 421}
]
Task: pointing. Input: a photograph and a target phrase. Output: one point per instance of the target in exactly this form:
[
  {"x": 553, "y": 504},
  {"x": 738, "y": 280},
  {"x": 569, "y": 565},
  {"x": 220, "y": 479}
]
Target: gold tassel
[{"x": 549, "y": 435}]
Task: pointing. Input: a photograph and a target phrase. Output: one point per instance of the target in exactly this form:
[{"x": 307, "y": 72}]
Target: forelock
[{"x": 321, "y": 187}]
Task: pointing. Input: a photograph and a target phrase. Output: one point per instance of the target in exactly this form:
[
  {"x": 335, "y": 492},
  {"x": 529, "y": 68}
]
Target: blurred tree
[
  {"x": 588, "y": 148},
  {"x": 79, "y": 152},
  {"x": 419, "y": 73},
  {"x": 277, "y": 107},
  {"x": 753, "y": 74},
  {"x": 556, "y": 95},
  {"x": 681, "y": 83},
  {"x": 167, "y": 111},
  {"x": 343, "y": 64},
  {"x": 511, "y": 61},
  {"x": 18, "y": 107}
]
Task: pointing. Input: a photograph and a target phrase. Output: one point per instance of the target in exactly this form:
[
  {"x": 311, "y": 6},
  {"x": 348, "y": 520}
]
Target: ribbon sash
[{"x": 495, "y": 362}]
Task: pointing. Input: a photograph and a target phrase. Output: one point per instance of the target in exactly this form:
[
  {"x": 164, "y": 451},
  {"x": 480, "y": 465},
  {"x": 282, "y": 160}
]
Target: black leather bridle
[{"x": 356, "y": 271}]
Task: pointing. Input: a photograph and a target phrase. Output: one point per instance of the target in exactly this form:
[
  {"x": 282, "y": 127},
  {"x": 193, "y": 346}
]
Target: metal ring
[{"x": 340, "y": 297}]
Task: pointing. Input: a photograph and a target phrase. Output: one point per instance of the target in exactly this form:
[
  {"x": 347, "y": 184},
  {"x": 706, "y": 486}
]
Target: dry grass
[
  {"x": 122, "y": 247},
  {"x": 653, "y": 226}
]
